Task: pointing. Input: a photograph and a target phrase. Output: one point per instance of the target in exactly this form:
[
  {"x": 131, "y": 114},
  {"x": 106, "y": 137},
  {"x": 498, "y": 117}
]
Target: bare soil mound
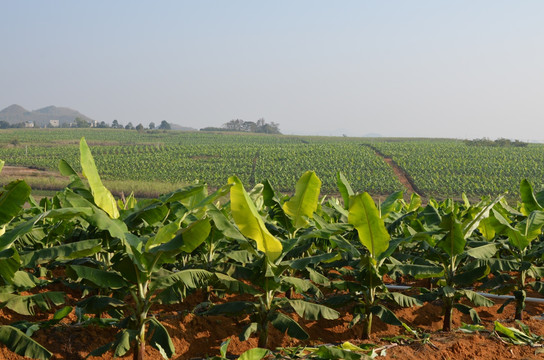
[{"x": 196, "y": 337}]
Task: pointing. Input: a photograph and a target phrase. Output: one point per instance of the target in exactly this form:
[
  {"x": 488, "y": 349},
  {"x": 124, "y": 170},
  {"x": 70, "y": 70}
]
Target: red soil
[{"x": 197, "y": 336}]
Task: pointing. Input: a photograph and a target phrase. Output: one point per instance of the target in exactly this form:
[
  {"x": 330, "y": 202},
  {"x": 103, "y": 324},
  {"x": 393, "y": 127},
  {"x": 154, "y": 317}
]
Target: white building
[{"x": 54, "y": 123}]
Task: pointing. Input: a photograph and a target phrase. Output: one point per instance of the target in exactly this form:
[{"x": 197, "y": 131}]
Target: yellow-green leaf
[
  {"x": 365, "y": 217},
  {"x": 102, "y": 196},
  {"x": 303, "y": 204},
  {"x": 250, "y": 222}
]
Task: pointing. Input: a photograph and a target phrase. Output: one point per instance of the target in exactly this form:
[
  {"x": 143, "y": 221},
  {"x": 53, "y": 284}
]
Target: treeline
[
  {"x": 261, "y": 126},
  {"x": 164, "y": 125},
  {"x": 7, "y": 125},
  {"x": 82, "y": 123},
  {"x": 502, "y": 142}
]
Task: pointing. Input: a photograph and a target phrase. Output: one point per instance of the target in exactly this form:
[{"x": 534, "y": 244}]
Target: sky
[{"x": 421, "y": 68}]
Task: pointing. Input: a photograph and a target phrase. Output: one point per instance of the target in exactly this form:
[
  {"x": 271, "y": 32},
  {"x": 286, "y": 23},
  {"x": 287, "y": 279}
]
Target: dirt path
[
  {"x": 22, "y": 172},
  {"x": 403, "y": 177}
]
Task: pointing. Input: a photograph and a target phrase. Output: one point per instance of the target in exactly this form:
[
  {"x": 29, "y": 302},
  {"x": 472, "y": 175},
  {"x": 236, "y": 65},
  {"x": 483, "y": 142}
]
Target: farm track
[
  {"x": 22, "y": 171},
  {"x": 402, "y": 175}
]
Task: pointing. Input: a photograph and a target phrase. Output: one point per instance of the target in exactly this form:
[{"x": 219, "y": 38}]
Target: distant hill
[
  {"x": 181, "y": 128},
  {"x": 14, "y": 114}
]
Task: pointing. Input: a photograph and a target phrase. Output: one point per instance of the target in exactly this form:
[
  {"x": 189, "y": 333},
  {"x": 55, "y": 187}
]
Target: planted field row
[
  {"x": 450, "y": 168},
  {"x": 85, "y": 260}
]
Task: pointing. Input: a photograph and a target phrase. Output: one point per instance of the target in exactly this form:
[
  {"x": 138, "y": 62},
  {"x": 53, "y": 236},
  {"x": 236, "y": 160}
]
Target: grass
[{"x": 49, "y": 185}]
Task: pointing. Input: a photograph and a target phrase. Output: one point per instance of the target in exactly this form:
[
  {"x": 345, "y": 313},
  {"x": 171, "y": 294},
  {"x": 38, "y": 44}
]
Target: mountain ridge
[{"x": 15, "y": 113}]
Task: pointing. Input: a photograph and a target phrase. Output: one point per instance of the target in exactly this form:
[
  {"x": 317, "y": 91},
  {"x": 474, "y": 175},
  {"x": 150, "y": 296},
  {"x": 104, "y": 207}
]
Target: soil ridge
[{"x": 404, "y": 178}]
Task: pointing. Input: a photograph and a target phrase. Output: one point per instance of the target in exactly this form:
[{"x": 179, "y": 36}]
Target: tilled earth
[{"x": 196, "y": 336}]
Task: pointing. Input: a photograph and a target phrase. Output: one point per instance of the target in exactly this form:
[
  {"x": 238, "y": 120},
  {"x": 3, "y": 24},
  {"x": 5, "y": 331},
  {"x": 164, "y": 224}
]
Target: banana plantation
[{"x": 85, "y": 261}]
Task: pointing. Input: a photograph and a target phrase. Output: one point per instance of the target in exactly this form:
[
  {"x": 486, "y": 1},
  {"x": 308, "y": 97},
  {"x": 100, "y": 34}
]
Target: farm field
[
  {"x": 248, "y": 271},
  {"x": 167, "y": 160},
  {"x": 184, "y": 157}
]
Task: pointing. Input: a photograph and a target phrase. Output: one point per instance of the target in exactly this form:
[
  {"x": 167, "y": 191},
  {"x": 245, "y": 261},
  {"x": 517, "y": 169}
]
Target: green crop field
[
  {"x": 448, "y": 168},
  {"x": 165, "y": 159}
]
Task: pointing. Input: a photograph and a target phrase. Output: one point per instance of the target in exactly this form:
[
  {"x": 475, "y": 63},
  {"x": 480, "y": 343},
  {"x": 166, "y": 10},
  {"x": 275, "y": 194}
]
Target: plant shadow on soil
[{"x": 196, "y": 336}]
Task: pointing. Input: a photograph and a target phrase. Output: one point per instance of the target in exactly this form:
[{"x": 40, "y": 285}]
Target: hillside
[{"x": 14, "y": 114}]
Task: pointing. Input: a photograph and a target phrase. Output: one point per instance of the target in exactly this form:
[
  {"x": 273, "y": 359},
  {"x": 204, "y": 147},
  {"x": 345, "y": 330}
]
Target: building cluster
[{"x": 56, "y": 123}]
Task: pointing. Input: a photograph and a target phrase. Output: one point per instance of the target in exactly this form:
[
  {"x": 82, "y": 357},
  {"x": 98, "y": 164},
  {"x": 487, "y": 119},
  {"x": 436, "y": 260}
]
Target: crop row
[{"x": 449, "y": 168}]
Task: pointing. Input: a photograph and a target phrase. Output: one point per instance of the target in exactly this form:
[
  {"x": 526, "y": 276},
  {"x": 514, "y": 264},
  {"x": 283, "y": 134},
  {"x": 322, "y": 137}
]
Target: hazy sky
[{"x": 431, "y": 68}]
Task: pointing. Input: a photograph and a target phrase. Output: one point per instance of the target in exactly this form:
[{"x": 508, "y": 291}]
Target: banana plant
[
  {"x": 139, "y": 274},
  {"x": 516, "y": 232},
  {"x": 269, "y": 276},
  {"x": 369, "y": 290},
  {"x": 13, "y": 196},
  {"x": 451, "y": 256},
  {"x": 140, "y": 242}
]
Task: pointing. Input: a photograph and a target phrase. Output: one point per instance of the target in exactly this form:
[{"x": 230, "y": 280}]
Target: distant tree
[
  {"x": 129, "y": 126},
  {"x": 502, "y": 142},
  {"x": 4, "y": 124},
  {"x": 115, "y": 124},
  {"x": 151, "y": 125},
  {"x": 249, "y": 126},
  {"x": 261, "y": 126},
  {"x": 80, "y": 123},
  {"x": 102, "y": 125},
  {"x": 164, "y": 125},
  {"x": 234, "y": 125},
  {"x": 140, "y": 127},
  {"x": 518, "y": 143}
]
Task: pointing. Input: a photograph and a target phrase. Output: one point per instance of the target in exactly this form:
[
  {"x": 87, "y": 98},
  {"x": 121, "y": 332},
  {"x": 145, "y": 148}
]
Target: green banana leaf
[
  {"x": 12, "y": 199},
  {"x": 21, "y": 344},
  {"x": 529, "y": 202},
  {"x": 344, "y": 187},
  {"x": 310, "y": 311},
  {"x": 454, "y": 241}
]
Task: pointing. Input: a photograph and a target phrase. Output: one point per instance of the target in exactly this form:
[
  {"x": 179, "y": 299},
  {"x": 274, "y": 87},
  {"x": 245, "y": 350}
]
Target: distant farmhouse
[
  {"x": 29, "y": 124},
  {"x": 54, "y": 123}
]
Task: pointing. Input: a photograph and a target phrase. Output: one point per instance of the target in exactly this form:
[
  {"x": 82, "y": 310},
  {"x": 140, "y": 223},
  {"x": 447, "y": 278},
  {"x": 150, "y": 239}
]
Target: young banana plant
[
  {"x": 516, "y": 232},
  {"x": 13, "y": 196},
  {"x": 137, "y": 243},
  {"x": 372, "y": 233},
  {"x": 452, "y": 256},
  {"x": 269, "y": 276}
]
